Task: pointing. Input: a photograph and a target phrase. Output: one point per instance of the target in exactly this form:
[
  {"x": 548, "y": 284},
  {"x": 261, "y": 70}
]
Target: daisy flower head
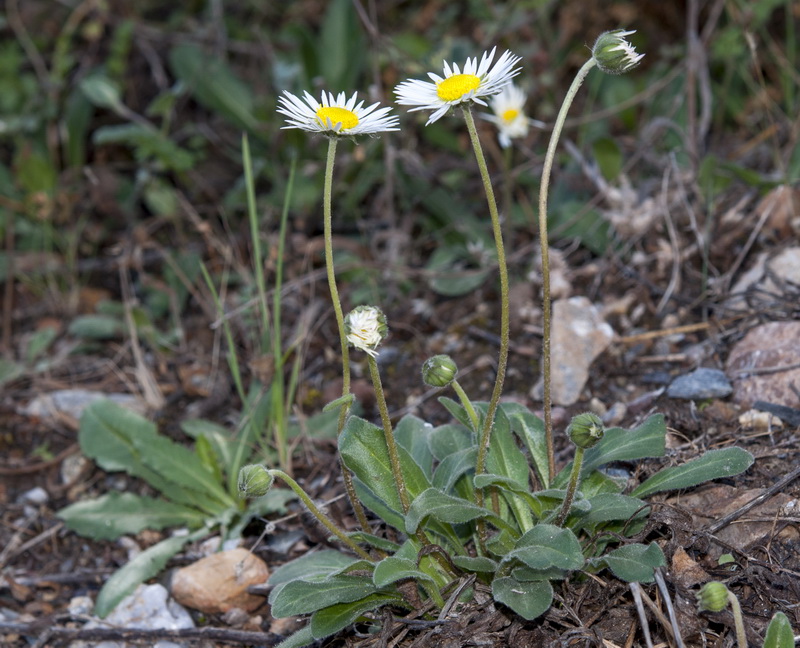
[
  {"x": 365, "y": 328},
  {"x": 335, "y": 116},
  {"x": 615, "y": 55},
  {"x": 508, "y": 108},
  {"x": 475, "y": 81}
]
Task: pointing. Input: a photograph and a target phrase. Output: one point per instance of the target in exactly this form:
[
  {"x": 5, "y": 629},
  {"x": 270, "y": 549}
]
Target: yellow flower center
[
  {"x": 457, "y": 86},
  {"x": 347, "y": 118},
  {"x": 509, "y": 115}
]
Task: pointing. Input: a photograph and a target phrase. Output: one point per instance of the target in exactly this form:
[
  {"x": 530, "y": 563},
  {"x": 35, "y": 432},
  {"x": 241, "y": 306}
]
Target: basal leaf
[
  {"x": 475, "y": 564},
  {"x": 529, "y": 599},
  {"x": 779, "y": 632},
  {"x": 311, "y": 566},
  {"x": 457, "y": 410},
  {"x": 440, "y": 506},
  {"x": 547, "y": 545},
  {"x": 453, "y": 467},
  {"x": 411, "y": 434},
  {"x": 329, "y": 620},
  {"x": 612, "y": 506},
  {"x": 115, "y": 514},
  {"x": 146, "y": 565},
  {"x": 530, "y": 429},
  {"x": 447, "y": 439},
  {"x": 713, "y": 464},
  {"x": 633, "y": 562},
  {"x": 506, "y": 459},
  {"x": 303, "y": 597},
  {"x": 393, "y": 568}
]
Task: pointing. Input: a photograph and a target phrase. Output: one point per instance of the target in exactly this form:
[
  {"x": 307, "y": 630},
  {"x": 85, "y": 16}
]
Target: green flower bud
[
  {"x": 713, "y": 596},
  {"x": 254, "y": 481},
  {"x": 613, "y": 54},
  {"x": 586, "y": 430},
  {"x": 365, "y": 328},
  {"x": 439, "y": 371}
]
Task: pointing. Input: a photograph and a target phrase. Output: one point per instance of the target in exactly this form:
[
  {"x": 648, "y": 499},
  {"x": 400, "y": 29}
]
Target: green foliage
[
  {"x": 779, "y": 632},
  {"x": 524, "y": 552},
  {"x": 192, "y": 485}
]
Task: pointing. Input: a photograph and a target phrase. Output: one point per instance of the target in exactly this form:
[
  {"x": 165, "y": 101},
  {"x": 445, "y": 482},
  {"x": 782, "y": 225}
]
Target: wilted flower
[
  {"x": 335, "y": 115},
  {"x": 613, "y": 54},
  {"x": 476, "y": 81},
  {"x": 509, "y": 115},
  {"x": 365, "y": 327},
  {"x": 439, "y": 371}
]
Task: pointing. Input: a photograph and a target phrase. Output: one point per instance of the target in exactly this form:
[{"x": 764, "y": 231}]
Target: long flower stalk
[
  {"x": 502, "y": 359},
  {"x": 337, "y": 309},
  {"x": 546, "y": 313}
]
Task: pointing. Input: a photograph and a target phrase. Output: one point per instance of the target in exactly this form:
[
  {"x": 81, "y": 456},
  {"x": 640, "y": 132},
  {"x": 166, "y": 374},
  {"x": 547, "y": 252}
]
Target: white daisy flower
[
  {"x": 366, "y": 327},
  {"x": 613, "y": 54},
  {"x": 509, "y": 115},
  {"x": 475, "y": 81},
  {"x": 335, "y": 115}
]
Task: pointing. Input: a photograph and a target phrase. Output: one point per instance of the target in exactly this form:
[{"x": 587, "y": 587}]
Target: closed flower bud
[
  {"x": 586, "y": 430},
  {"x": 365, "y": 327},
  {"x": 439, "y": 371},
  {"x": 713, "y": 596},
  {"x": 613, "y": 54},
  {"x": 254, "y": 481}
]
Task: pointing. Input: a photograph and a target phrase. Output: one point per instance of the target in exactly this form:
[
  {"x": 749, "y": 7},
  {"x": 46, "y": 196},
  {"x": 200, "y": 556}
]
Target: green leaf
[
  {"x": 506, "y": 459},
  {"x": 312, "y": 566},
  {"x": 646, "y": 440},
  {"x": 219, "y": 437},
  {"x": 101, "y": 91},
  {"x": 329, "y": 620},
  {"x": 114, "y": 437},
  {"x": 612, "y": 506},
  {"x": 713, "y": 464},
  {"x": 510, "y": 486},
  {"x": 304, "y": 597},
  {"x": 547, "y": 545},
  {"x": 779, "y": 632},
  {"x": 440, "y": 506},
  {"x": 214, "y": 84},
  {"x": 453, "y": 467},
  {"x": 475, "y": 564},
  {"x": 411, "y": 434},
  {"x": 147, "y": 144},
  {"x": 529, "y": 599},
  {"x": 362, "y": 446},
  {"x": 303, "y": 637},
  {"x": 115, "y": 514},
  {"x": 97, "y": 327},
  {"x": 146, "y": 565},
  {"x": 458, "y": 412},
  {"x": 378, "y": 542},
  {"x": 530, "y": 428},
  {"x": 9, "y": 371},
  {"x": 447, "y": 439},
  {"x": 633, "y": 562},
  {"x": 392, "y": 569}
]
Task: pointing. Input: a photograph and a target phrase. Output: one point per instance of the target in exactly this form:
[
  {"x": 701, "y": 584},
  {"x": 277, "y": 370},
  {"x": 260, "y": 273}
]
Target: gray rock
[{"x": 700, "y": 384}]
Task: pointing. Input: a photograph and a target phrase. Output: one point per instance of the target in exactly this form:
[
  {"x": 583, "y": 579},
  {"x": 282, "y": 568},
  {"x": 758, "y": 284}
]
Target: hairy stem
[
  {"x": 324, "y": 520},
  {"x": 391, "y": 446},
  {"x": 574, "y": 476},
  {"x": 337, "y": 309},
  {"x": 546, "y": 316},
  {"x": 502, "y": 358},
  {"x": 466, "y": 403}
]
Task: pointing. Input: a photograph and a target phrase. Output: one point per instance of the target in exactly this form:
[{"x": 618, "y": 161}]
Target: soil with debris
[{"x": 684, "y": 292}]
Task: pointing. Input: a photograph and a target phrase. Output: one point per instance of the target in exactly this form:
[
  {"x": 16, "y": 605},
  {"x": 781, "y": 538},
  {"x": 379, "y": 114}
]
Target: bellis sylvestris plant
[{"x": 460, "y": 498}]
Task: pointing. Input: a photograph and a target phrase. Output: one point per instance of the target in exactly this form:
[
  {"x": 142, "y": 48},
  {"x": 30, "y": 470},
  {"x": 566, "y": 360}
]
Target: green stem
[
  {"x": 391, "y": 446},
  {"x": 574, "y": 476},
  {"x": 323, "y": 519},
  {"x": 337, "y": 309},
  {"x": 738, "y": 621},
  {"x": 546, "y": 316},
  {"x": 467, "y": 405},
  {"x": 502, "y": 359}
]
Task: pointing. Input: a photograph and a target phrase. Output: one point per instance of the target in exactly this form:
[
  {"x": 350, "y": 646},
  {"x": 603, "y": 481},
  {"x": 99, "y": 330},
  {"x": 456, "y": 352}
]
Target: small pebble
[
  {"x": 36, "y": 496},
  {"x": 700, "y": 384}
]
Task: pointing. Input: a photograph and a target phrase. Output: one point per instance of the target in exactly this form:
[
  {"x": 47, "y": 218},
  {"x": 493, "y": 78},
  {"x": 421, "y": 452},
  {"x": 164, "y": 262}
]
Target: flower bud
[
  {"x": 586, "y": 430},
  {"x": 365, "y": 328},
  {"x": 439, "y": 371},
  {"x": 713, "y": 596},
  {"x": 613, "y": 54},
  {"x": 254, "y": 481}
]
